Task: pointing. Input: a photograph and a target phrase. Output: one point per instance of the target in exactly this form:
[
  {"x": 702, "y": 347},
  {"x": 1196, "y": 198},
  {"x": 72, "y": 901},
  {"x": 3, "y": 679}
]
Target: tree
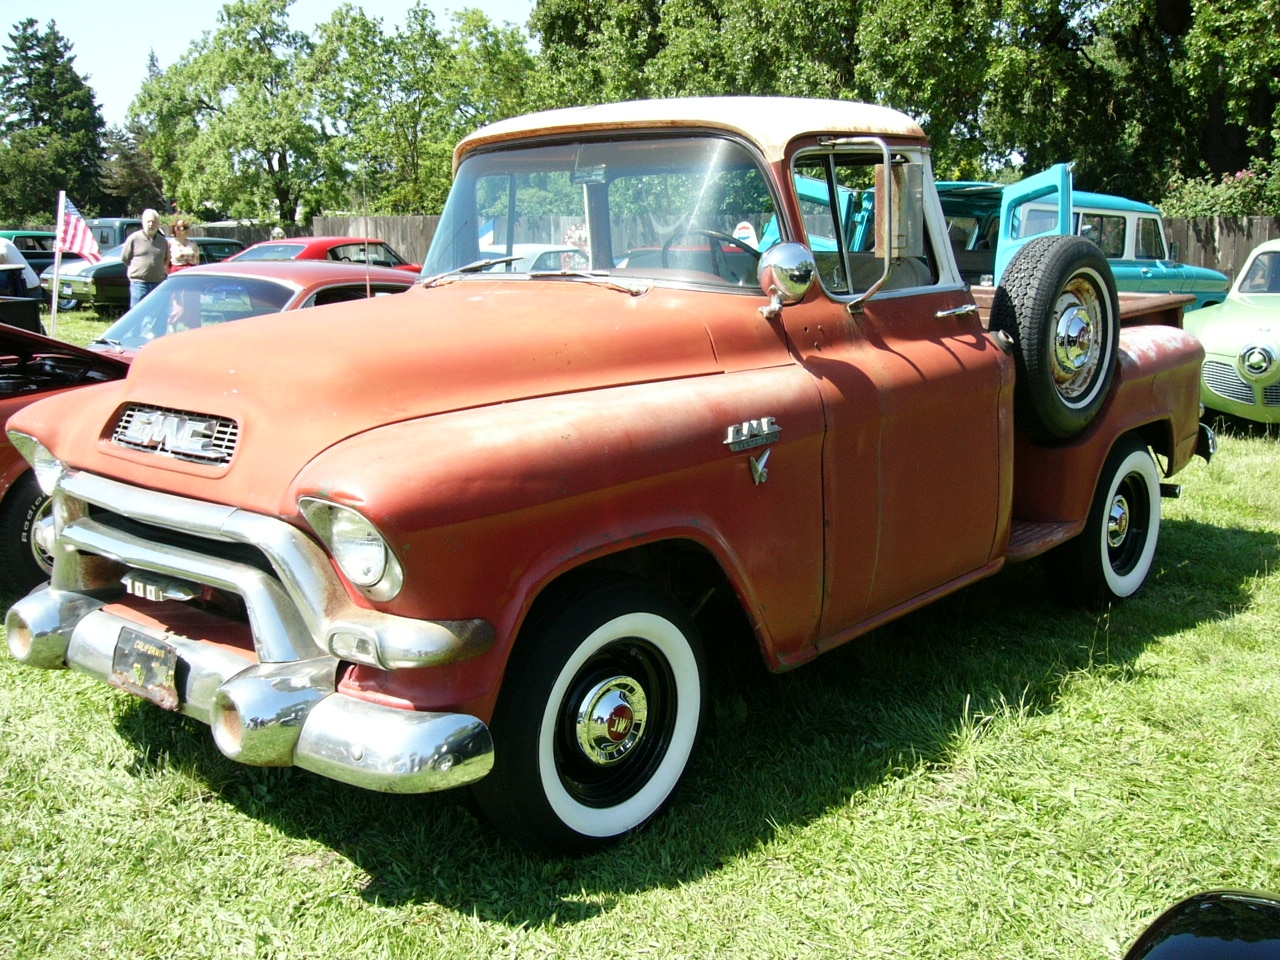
[
  {"x": 50, "y": 126},
  {"x": 130, "y": 179},
  {"x": 233, "y": 123},
  {"x": 399, "y": 102}
]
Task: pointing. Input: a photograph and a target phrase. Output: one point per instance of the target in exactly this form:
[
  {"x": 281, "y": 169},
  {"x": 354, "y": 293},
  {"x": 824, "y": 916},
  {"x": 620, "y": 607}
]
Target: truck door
[{"x": 911, "y": 393}]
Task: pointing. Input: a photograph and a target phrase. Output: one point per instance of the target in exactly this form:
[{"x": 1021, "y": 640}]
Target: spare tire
[{"x": 1057, "y": 301}]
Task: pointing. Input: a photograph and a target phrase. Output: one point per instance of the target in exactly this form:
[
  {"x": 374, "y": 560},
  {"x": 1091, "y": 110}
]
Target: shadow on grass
[{"x": 781, "y": 750}]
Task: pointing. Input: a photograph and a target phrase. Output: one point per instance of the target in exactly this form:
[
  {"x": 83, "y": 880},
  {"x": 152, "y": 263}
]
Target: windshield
[
  {"x": 187, "y": 300},
  {"x": 272, "y": 251},
  {"x": 691, "y": 209}
]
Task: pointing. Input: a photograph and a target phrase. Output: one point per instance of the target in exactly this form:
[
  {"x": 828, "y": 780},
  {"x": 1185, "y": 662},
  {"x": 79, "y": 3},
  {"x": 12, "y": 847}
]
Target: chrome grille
[
  {"x": 1271, "y": 395},
  {"x": 1223, "y": 380},
  {"x": 181, "y": 434}
]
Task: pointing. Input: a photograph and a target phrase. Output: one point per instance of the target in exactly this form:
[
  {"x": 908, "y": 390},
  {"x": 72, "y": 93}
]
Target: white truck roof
[{"x": 769, "y": 122}]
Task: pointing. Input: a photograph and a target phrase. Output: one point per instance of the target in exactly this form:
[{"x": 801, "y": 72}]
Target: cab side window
[
  {"x": 1149, "y": 243},
  {"x": 1107, "y": 232},
  {"x": 837, "y": 194}
]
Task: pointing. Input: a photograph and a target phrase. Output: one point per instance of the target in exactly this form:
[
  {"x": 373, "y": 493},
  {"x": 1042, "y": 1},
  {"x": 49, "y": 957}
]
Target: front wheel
[
  {"x": 601, "y": 708},
  {"x": 24, "y": 560},
  {"x": 1113, "y": 555}
]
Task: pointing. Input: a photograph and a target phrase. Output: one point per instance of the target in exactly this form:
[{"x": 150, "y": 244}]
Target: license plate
[
  {"x": 145, "y": 666},
  {"x": 65, "y": 288}
]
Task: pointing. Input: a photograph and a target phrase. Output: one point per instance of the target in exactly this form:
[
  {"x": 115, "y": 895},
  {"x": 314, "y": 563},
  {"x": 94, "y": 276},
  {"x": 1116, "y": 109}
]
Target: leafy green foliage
[
  {"x": 1247, "y": 193},
  {"x": 50, "y": 127}
]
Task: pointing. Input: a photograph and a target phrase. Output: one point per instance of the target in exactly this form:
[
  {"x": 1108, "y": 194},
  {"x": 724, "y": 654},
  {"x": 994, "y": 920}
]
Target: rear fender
[{"x": 1155, "y": 392}]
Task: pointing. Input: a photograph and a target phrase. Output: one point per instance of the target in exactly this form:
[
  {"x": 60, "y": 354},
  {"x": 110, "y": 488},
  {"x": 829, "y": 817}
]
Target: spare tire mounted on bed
[{"x": 1057, "y": 301}]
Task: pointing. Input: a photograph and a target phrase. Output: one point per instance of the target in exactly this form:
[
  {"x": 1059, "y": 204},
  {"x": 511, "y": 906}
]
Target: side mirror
[{"x": 786, "y": 273}]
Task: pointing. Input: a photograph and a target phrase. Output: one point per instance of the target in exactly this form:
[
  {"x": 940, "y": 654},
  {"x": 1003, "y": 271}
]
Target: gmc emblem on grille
[{"x": 171, "y": 433}]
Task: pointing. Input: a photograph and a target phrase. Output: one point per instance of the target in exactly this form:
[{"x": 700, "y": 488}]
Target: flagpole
[{"x": 59, "y": 238}]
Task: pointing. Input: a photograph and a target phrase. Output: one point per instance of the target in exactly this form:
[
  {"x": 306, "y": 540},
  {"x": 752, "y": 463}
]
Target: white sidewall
[
  {"x": 1138, "y": 462},
  {"x": 663, "y": 635}
]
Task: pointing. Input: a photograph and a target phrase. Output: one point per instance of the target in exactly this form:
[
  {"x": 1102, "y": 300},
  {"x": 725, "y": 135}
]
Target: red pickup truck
[{"x": 474, "y": 533}]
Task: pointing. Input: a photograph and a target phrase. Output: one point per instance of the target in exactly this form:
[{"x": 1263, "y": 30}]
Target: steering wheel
[{"x": 718, "y": 240}]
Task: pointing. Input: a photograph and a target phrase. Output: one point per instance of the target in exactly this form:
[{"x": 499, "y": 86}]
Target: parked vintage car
[
  {"x": 473, "y": 534},
  {"x": 345, "y": 249},
  {"x": 33, "y": 366},
  {"x": 1241, "y": 338},
  {"x": 104, "y": 285},
  {"x": 112, "y": 231},
  {"x": 37, "y": 247},
  {"x": 1131, "y": 234}
]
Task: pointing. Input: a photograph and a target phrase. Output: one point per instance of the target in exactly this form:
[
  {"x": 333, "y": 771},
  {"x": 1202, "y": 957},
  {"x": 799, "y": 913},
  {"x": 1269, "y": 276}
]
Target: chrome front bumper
[{"x": 280, "y": 708}]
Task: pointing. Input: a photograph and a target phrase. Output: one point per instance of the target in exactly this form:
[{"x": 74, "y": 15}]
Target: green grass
[
  {"x": 77, "y": 326},
  {"x": 996, "y": 776}
]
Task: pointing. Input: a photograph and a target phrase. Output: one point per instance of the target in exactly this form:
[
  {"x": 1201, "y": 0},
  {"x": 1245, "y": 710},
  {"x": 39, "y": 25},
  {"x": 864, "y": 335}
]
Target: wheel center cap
[
  {"x": 1073, "y": 340},
  {"x": 611, "y": 720},
  {"x": 1118, "y": 522}
]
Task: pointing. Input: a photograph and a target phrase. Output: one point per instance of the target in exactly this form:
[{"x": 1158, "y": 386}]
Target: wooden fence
[
  {"x": 1220, "y": 243},
  {"x": 409, "y": 236}
]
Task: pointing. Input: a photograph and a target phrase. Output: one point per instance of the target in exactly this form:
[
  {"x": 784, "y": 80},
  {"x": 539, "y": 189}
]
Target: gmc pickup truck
[{"x": 469, "y": 535}]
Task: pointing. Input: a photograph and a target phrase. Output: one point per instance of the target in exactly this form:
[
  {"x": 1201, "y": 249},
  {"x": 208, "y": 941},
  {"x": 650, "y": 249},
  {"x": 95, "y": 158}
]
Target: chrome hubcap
[
  {"x": 41, "y": 536},
  {"x": 1118, "y": 522},
  {"x": 1073, "y": 348},
  {"x": 611, "y": 720}
]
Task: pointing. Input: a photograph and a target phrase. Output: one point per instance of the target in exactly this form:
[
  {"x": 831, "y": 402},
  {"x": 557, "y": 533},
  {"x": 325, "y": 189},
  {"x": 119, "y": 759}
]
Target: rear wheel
[
  {"x": 1113, "y": 556},
  {"x": 598, "y": 717}
]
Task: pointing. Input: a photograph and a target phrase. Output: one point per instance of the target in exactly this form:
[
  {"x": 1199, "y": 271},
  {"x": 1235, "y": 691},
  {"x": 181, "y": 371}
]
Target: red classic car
[
  {"x": 342, "y": 249},
  {"x": 33, "y": 366}
]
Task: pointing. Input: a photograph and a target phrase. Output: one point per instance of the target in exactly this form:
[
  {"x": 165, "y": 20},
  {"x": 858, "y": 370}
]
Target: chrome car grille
[
  {"x": 181, "y": 434},
  {"x": 1223, "y": 380},
  {"x": 1271, "y": 395}
]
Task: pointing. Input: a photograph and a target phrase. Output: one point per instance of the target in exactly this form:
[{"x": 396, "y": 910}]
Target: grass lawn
[{"x": 996, "y": 776}]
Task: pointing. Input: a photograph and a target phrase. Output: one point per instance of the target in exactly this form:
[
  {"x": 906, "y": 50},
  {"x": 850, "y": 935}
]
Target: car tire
[
  {"x": 1113, "y": 556},
  {"x": 1057, "y": 301},
  {"x": 23, "y": 563},
  {"x": 597, "y": 720}
]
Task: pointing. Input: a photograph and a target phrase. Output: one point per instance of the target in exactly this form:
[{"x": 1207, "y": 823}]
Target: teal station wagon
[{"x": 988, "y": 222}]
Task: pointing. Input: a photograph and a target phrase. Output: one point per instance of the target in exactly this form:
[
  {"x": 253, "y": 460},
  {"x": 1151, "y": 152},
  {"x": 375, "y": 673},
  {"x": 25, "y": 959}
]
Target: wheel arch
[{"x": 700, "y": 578}]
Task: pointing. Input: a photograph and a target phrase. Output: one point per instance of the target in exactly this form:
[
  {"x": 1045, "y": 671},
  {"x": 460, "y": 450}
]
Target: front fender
[{"x": 483, "y": 507}]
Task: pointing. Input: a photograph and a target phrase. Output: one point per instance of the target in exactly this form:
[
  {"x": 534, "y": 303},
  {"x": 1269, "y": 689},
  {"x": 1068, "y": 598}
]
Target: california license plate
[{"x": 145, "y": 666}]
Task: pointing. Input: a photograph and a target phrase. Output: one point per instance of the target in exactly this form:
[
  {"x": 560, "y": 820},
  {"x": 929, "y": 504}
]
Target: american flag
[{"x": 74, "y": 235}]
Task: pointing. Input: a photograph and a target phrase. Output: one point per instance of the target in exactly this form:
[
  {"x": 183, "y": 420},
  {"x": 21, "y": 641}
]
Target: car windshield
[
  {"x": 272, "y": 251},
  {"x": 690, "y": 209},
  {"x": 188, "y": 300},
  {"x": 1263, "y": 275}
]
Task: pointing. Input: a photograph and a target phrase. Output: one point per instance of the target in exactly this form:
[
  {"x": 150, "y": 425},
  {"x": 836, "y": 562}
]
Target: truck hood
[{"x": 297, "y": 383}]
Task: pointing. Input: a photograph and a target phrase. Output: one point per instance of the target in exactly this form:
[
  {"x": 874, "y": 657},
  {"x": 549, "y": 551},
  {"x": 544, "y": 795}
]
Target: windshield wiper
[
  {"x": 603, "y": 279},
  {"x": 115, "y": 344},
  {"x": 475, "y": 266}
]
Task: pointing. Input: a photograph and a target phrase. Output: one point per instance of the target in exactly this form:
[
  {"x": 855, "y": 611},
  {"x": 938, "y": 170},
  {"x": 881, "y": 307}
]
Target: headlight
[
  {"x": 357, "y": 547},
  {"x": 47, "y": 468}
]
